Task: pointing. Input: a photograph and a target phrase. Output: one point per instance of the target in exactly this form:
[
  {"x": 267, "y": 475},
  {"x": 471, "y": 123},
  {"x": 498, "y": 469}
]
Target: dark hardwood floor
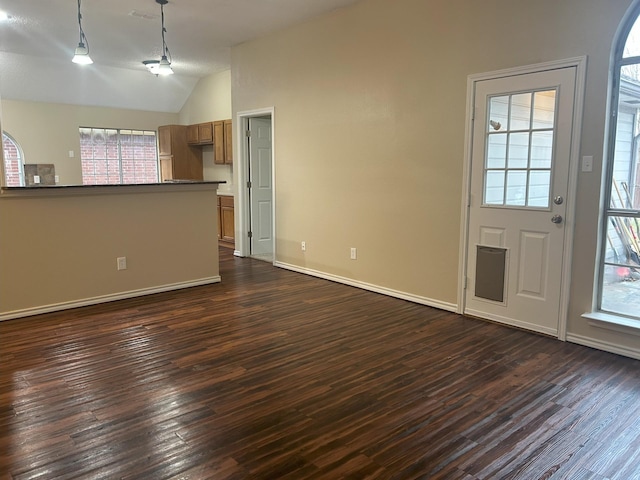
[{"x": 276, "y": 375}]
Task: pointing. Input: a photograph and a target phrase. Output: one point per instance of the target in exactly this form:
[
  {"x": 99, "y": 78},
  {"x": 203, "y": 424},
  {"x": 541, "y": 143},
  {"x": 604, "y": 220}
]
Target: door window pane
[
  {"x": 518, "y": 150},
  {"x": 498, "y": 114},
  {"x": 544, "y": 107},
  {"x": 497, "y": 151},
  {"x": 519, "y": 157},
  {"x": 516, "y": 188},
  {"x": 494, "y": 191},
  {"x": 520, "y": 112},
  {"x": 541, "y": 149},
  {"x": 539, "y": 182}
]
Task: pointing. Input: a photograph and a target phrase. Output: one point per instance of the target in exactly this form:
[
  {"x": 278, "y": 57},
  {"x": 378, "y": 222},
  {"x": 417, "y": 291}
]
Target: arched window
[
  {"x": 13, "y": 162},
  {"x": 619, "y": 291}
]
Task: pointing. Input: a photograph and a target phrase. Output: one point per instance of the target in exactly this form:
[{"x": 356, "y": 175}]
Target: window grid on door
[{"x": 519, "y": 149}]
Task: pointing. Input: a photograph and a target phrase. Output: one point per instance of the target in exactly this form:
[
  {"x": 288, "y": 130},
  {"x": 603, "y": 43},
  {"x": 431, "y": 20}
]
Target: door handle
[{"x": 556, "y": 219}]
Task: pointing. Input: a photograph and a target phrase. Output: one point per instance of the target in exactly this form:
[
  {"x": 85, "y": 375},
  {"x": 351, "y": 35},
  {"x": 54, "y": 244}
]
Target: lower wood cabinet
[{"x": 226, "y": 222}]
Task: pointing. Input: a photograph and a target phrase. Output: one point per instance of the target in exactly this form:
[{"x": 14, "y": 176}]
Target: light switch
[
  {"x": 587, "y": 163},
  {"x": 36, "y": 179},
  {"x": 72, "y": 154}
]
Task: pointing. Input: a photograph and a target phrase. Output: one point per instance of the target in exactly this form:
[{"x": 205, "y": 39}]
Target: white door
[
  {"x": 521, "y": 151},
  {"x": 260, "y": 190}
]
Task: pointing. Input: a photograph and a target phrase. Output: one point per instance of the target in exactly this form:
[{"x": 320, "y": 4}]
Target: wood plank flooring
[{"x": 276, "y": 375}]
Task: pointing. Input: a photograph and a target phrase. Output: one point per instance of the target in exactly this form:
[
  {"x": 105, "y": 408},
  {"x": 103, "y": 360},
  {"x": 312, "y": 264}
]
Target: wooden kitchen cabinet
[
  {"x": 200, "y": 134},
  {"x": 223, "y": 142},
  {"x": 178, "y": 160},
  {"x": 226, "y": 221}
]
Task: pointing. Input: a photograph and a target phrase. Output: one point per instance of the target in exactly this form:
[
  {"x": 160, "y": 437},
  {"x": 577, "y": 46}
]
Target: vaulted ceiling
[{"x": 39, "y": 38}]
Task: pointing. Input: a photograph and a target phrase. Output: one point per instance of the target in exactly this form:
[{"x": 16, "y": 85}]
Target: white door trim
[
  {"x": 242, "y": 207},
  {"x": 580, "y": 64}
]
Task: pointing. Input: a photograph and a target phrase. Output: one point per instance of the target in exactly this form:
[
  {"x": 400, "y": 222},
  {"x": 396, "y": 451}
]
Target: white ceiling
[{"x": 37, "y": 43}]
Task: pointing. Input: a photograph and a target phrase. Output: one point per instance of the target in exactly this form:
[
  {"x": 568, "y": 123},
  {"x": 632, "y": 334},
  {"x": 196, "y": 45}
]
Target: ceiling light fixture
[
  {"x": 82, "y": 50},
  {"x": 164, "y": 66}
]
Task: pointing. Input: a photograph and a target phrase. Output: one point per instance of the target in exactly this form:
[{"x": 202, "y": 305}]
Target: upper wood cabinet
[
  {"x": 178, "y": 160},
  {"x": 223, "y": 142},
  {"x": 200, "y": 134}
]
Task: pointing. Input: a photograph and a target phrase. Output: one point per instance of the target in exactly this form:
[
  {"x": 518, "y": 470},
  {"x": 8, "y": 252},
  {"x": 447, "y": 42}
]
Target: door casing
[
  {"x": 580, "y": 63},
  {"x": 241, "y": 174}
]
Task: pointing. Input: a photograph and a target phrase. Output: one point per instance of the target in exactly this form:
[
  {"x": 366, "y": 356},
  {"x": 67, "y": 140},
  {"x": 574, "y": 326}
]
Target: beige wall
[
  {"x": 211, "y": 100},
  {"x": 58, "y": 251},
  {"x": 370, "y": 132},
  {"x": 48, "y": 131}
]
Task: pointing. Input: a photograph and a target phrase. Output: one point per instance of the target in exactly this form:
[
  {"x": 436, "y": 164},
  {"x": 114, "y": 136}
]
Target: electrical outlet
[
  {"x": 303, "y": 245},
  {"x": 354, "y": 253},
  {"x": 122, "y": 263}
]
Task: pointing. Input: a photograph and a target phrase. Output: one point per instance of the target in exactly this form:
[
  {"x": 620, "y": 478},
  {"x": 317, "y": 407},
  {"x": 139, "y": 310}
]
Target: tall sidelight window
[
  {"x": 118, "y": 156},
  {"x": 620, "y": 262},
  {"x": 13, "y": 162}
]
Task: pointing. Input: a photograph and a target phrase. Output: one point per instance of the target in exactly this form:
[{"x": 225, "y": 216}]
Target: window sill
[{"x": 611, "y": 321}]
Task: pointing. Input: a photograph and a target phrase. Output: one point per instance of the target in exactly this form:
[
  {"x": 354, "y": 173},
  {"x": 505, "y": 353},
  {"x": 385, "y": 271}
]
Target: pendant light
[
  {"x": 164, "y": 67},
  {"x": 82, "y": 50}
]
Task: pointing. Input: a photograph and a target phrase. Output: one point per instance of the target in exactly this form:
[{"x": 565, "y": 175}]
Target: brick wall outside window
[
  {"x": 115, "y": 156},
  {"x": 13, "y": 162}
]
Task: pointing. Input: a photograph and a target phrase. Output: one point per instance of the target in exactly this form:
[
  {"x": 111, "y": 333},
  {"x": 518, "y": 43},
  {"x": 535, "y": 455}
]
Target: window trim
[
  {"x": 22, "y": 162},
  {"x": 598, "y": 316},
  {"x": 120, "y": 159}
]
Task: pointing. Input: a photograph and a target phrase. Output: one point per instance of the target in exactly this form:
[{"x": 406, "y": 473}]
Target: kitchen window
[
  {"x": 13, "y": 162},
  {"x": 118, "y": 156}
]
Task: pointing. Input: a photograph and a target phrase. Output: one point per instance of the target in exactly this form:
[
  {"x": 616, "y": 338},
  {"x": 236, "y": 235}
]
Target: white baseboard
[
  {"x": 451, "y": 307},
  {"x": 27, "y": 312},
  {"x": 605, "y": 346}
]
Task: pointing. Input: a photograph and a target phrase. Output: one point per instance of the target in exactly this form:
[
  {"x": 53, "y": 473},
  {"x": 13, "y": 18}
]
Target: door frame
[
  {"x": 580, "y": 64},
  {"x": 243, "y": 223}
]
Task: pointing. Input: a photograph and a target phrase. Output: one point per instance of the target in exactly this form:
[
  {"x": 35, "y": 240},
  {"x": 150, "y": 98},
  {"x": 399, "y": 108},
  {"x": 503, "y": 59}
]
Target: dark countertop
[
  {"x": 173, "y": 185},
  {"x": 120, "y": 185}
]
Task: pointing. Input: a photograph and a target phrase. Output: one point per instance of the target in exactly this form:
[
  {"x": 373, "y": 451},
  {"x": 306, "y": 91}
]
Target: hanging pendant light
[
  {"x": 82, "y": 50},
  {"x": 164, "y": 67}
]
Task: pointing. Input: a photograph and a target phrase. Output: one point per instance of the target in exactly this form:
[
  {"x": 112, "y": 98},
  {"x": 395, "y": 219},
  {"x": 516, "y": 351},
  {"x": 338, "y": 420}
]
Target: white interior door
[
  {"x": 261, "y": 189},
  {"x": 521, "y": 150}
]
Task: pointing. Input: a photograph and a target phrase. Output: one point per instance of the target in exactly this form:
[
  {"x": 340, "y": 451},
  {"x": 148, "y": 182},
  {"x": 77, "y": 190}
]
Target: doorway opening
[{"x": 256, "y": 181}]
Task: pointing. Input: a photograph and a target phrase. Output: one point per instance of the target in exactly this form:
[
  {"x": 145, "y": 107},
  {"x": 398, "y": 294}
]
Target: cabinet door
[
  {"x": 192, "y": 134},
  {"x": 166, "y": 168},
  {"x": 164, "y": 140},
  {"x": 228, "y": 142},
  {"x": 205, "y": 133},
  {"x": 219, "y": 217},
  {"x": 227, "y": 221},
  {"x": 218, "y": 142}
]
